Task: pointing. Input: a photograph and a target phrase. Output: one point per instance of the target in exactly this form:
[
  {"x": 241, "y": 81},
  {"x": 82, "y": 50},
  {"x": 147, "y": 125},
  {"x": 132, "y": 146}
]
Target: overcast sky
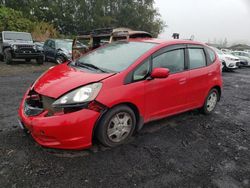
[{"x": 207, "y": 19}]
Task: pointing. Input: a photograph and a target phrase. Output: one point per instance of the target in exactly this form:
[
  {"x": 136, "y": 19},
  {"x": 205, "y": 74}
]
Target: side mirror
[{"x": 160, "y": 73}]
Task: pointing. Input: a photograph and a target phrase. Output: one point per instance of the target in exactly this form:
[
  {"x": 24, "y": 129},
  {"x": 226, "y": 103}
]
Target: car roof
[
  {"x": 14, "y": 32},
  {"x": 166, "y": 42}
]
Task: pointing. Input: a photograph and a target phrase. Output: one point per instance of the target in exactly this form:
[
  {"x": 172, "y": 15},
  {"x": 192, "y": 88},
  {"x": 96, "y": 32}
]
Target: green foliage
[
  {"x": 14, "y": 20},
  {"x": 70, "y": 16}
]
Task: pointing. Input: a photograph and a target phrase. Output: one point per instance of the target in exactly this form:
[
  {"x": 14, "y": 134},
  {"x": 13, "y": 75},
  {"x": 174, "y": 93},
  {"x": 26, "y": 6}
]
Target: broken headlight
[{"x": 79, "y": 96}]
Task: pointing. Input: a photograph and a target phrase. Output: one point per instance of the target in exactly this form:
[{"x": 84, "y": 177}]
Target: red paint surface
[{"x": 154, "y": 99}]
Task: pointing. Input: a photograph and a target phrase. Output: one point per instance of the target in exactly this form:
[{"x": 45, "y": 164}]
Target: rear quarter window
[
  {"x": 197, "y": 58},
  {"x": 211, "y": 56}
]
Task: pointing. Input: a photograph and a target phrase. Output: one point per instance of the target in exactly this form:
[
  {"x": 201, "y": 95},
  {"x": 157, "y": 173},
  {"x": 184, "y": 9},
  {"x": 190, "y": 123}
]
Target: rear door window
[
  {"x": 172, "y": 60},
  {"x": 197, "y": 58}
]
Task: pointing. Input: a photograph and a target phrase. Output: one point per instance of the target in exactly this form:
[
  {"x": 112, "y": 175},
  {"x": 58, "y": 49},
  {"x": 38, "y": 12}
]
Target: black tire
[
  {"x": 207, "y": 108},
  {"x": 46, "y": 59},
  {"x": 1, "y": 57},
  {"x": 224, "y": 67},
  {"x": 60, "y": 59},
  {"x": 106, "y": 122},
  {"x": 7, "y": 56},
  {"x": 40, "y": 60}
]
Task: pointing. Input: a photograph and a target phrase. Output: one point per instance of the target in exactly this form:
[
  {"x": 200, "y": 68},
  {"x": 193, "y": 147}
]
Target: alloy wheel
[
  {"x": 211, "y": 101},
  {"x": 119, "y": 127}
]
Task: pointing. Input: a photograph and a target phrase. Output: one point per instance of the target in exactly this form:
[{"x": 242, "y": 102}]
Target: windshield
[
  {"x": 64, "y": 44},
  {"x": 116, "y": 56},
  {"x": 18, "y": 36}
]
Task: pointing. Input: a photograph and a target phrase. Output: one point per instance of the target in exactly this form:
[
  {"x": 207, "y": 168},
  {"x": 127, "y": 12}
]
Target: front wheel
[
  {"x": 211, "y": 102},
  {"x": 60, "y": 59},
  {"x": 224, "y": 67},
  {"x": 1, "y": 57},
  {"x": 7, "y": 57},
  {"x": 117, "y": 126}
]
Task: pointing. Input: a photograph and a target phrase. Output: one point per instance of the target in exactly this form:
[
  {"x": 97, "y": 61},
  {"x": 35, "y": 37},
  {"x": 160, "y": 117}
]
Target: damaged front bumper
[{"x": 65, "y": 131}]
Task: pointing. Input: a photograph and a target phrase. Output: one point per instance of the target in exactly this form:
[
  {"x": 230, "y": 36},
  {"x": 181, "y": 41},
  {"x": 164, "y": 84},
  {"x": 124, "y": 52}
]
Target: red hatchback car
[{"x": 111, "y": 92}]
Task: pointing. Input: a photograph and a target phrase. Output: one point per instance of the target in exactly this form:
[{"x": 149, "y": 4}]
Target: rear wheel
[
  {"x": 7, "y": 56},
  {"x": 40, "y": 60},
  {"x": 117, "y": 126},
  {"x": 211, "y": 102},
  {"x": 224, "y": 67}
]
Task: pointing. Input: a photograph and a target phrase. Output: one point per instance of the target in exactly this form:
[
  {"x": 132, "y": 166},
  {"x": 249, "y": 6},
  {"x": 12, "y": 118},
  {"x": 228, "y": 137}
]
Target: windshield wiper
[{"x": 88, "y": 65}]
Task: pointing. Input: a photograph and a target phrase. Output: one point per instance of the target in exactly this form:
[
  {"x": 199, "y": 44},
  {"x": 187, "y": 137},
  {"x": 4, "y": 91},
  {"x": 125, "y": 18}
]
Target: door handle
[{"x": 182, "y": 81}]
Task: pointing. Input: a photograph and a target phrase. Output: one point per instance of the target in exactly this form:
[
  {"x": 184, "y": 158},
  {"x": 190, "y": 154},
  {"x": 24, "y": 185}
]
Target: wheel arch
[
  {"x": 218, "y": 88},
  {"x": 138, "y": 116},
  {"x": 6, "y": 48},
  {"x": 61, "y": 55}
]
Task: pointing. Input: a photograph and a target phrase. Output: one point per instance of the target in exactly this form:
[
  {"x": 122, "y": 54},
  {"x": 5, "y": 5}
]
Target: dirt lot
[{"x": 188, "y": 150}]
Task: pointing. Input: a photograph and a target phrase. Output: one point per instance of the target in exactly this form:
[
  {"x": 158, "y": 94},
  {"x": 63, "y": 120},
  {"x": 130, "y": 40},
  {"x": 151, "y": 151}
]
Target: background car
[
  {"x": 228, "y": 61},
  {"x": 19, "y": 45},
  {"x": 91, "y": 40},
  {"x": 58, "y": 50},
  {"x": 39, "y": 45},
  {"x": 243, "y": 56}
]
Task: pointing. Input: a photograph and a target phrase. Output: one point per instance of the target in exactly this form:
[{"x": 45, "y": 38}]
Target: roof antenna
[{"x": 192, "y": 37}]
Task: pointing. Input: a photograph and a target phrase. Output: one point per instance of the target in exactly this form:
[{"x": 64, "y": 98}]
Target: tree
[
  {"x": 14, "y": 20},
  {"x": 70, "y": 16},
  {"x": 43, "y": 31}
]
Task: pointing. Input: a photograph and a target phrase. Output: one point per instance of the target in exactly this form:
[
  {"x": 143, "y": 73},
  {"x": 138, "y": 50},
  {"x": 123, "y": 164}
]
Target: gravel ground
[{"x": 187, "y": 150}]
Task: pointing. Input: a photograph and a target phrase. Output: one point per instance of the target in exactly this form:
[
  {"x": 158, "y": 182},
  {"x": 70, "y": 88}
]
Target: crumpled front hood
[{"x": 63, "y": 78}]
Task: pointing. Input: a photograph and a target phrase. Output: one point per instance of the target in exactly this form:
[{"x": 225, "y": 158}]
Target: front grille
[
  {"x": 35, "y": 104},
  {"x": 25, "y": 46},
  {"x": 32, "y": 111},
  {"x": 25, "y": 49}
]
